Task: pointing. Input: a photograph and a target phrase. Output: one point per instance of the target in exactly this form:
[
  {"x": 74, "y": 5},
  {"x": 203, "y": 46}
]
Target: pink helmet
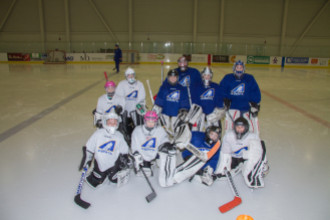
[
  {"x": 151, "y": 116},
  {"x": 109, "y": 84}
]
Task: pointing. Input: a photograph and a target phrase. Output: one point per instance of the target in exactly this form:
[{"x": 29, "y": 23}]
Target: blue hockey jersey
[
  {"x": 240, "y": 91},
  {"x": 208, "y": 97},
  {"x": 191, "y": 77},
  {"x": 198, "y": 140},
  {"x": 172, "y": 98}
]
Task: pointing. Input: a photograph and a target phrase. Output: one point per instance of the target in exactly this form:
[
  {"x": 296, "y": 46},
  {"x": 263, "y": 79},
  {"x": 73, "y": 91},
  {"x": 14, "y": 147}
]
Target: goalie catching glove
[{"x": 254, "y": 109}]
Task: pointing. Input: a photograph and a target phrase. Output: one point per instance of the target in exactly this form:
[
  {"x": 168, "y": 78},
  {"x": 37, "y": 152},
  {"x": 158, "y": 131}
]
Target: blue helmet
[{"x": 239, "y": 73}]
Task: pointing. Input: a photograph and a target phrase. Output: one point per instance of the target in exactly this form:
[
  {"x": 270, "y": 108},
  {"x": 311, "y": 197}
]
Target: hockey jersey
[
  {"x": 147, "y": 142},
  {"x": 106, "y": 147},
  {"x": 198, "y": 140},
  {"x": 172, "y": 98},
  {"x": 240, "y": 91},
  {"x": 133, "y": 94},
  {"x": 230, "y": 144}
]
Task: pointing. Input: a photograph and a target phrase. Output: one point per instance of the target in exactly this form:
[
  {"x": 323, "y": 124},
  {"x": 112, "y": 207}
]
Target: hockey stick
[
  {"x": 77, "y": 198},
  {"x": 153, "y": 194},
  {"x": 162, "y": 72},
  {"x": 106, "y": 76},
  {"x": 237, "y": 199},
  {"x": 150, "y": 92}
]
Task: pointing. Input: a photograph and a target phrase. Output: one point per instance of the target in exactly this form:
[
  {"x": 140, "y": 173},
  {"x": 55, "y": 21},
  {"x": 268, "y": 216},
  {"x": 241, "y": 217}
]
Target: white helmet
[
  {"x": 130, "y": 71},
  {"x": 206, "y": 71},
  {"x": 110, "y": 115}
]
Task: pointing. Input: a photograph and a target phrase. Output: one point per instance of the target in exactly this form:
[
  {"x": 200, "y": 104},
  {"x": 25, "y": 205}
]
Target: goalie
[
  {"x": 243, "y": 151},
  {"x": 200, "y": 157}
]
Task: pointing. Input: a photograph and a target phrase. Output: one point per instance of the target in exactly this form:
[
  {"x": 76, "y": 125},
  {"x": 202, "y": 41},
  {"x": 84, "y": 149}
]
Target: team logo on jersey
[
  {"x": 173, "y": 96},
  {"x": 132, "y": 96},
  {"x": 239, "y": 153},
  {"x": 185, "y": 81},
  {"x": 149, "y": 144},
  {"x": 238, "y": 90},
  {"x": 112, "y": 107},
  {"x": 107, "y": 147},
  {"x": 208, "y": 94}
]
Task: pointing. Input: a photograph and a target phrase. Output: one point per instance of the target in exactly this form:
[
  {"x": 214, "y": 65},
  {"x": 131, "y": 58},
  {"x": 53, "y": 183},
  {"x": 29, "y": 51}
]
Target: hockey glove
[
  {"x": 86, "y": 159},
  {"x": 254, "y": 109},
  {"x": 138, "y": 160},
  {"x": 118, "y": 109},
  {"x": 226, "y": 103}
]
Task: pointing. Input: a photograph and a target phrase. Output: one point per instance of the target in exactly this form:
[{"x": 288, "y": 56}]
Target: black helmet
[
  {"x": 241, "y": 122},
  {"x": 173, "y": 72},
  {"x": 208, "y": 130}
]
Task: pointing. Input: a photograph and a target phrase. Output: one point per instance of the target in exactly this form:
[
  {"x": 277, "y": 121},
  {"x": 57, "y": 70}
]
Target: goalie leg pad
[
  {"x": 253, "y": 167},
  {"x": 137, "y": 118},
  {"x": 167, "y": 163},
  {"x": 182, "y": 136},
  {"x": 231, "y": 116},
  {"x": 216, "y": 115},
  {"x": 187, "y": 169},
  {"x": 194, "y": 113}
]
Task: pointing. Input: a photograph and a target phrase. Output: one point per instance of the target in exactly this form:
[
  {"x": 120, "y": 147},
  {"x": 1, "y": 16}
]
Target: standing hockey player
[
  {"x": 201, "y": 157},
  {"x": 241, "y": 95},
  {"x": 188, "y": 76},
  {"x": 107, "y": 102},
  {"x": 171, "y": 99},
  {"x": 110, "y": 152},
  {"x": 209, "y": 98},
  {"x": 133, "y": 92},
  {"x": 117, "y": 57},
  {"x": 242, "y": 150}
]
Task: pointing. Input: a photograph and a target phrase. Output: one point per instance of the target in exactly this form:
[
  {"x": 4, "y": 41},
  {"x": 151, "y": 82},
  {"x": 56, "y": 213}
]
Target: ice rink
[{"x": 46, "y": 118}]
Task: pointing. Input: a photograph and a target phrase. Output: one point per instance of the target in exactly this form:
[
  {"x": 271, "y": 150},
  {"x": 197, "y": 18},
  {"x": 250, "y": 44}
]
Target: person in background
[{"x": 117, "y": 57}]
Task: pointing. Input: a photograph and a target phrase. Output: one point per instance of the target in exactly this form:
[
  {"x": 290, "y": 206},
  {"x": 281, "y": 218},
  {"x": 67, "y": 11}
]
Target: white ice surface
[{"x": 39, "y": 162}]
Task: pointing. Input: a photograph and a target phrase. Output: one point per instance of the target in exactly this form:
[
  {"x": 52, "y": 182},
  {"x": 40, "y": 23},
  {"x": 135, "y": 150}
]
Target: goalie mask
[
  {"x": 183, "y": 63},
  {"x": 110, "y": 121},
  {"x": 130, "y": 75},
  {"x": 150, "y": 120},
  {"x": 207, "y": 75},
  {"x": 241, "y": 127},
  {"x": 212, "y": 134},
  {"x": 110, "y": 88},
  {"x": 173, "y": 77},
  {"x": 239, "y": 69}
]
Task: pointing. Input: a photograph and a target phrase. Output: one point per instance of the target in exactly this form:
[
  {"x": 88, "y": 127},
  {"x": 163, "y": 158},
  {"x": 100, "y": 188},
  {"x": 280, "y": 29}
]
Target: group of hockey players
[{"x": 180, "y": 136}]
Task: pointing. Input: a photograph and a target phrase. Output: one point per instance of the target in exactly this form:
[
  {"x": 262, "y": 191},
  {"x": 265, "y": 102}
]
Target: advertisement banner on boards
[
  {"x": 297, "y": 60},
  {"x": 258, "y": 59},
  {"x": 220, "y": 59},
  {"x": 318, "y": 61}
]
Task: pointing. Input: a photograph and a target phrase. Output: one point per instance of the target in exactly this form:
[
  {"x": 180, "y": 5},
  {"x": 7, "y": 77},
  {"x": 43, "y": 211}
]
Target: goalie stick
[
  {"x": 202, "y": 155},
  {"x": 153, "y": 194},
  {"x": 77, "y": 198},
  {"x": 237, "y": 199}
]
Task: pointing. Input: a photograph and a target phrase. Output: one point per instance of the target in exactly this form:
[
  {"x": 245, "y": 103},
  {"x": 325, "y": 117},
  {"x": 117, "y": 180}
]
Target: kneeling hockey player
[
  {"x": 107, "y": 102},
  {"x": 110, "y": 152},
  {"x": 146, "y": 141},
  {"x": 243, "y": 151},
  {"x": 201, "y": 157}
]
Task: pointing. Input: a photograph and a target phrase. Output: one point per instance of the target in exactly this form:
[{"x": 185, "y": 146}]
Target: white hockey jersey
[
  {"x": 131, "y": 93},
  {"x": 105, "y": 105},
  {"x": 230, "y": 145},
  {"x": 106, "y": 147},
  {"x": 147, "y": 143}
]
